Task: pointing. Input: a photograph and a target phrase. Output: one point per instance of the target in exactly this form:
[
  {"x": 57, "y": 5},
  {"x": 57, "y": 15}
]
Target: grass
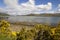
[{"x": 4, "y": 37}]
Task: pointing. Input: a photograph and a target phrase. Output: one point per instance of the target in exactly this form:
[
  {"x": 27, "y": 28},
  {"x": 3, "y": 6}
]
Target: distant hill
[
  {"x": 4, "y": 14},
  {"x": 45, "y": 14}
]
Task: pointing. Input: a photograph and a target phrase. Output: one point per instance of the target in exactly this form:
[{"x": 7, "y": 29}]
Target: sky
[{"x": 23, "y": 7}]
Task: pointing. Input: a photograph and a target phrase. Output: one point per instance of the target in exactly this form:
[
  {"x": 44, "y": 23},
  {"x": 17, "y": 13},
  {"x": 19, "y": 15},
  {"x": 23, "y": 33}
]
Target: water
[{"x": 34, "y": 19}]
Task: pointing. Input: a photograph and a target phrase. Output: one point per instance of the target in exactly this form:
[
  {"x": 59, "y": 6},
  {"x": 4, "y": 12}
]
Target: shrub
[{"x": 4, "y": 26}]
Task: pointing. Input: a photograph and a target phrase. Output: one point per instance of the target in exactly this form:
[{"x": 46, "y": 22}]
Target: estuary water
[{"x": 37, "y": 19}]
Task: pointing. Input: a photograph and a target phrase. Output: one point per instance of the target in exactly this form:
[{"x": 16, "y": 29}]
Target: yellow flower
[
  {"x": 53, "y": 30},
  {"x": 3, "y": 28},
  {"x": 14, "y": 33},
  {"x": 17, "y": 32},
  {"x": 4, "y": 23}
]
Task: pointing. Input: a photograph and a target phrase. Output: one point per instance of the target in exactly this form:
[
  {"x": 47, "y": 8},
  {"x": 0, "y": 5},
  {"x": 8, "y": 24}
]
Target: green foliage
[{"x": 4, "y": 37}]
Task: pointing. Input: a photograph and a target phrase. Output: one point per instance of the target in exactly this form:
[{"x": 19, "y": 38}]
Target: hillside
[
  {"x": 45, "y": 14},
  {"x": 3, "y": 14}
]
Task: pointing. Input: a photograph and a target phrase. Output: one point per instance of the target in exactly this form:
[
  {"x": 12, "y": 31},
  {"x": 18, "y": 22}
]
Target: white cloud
[
  {"x": 11, "y": 3},
  {"x": 32, "y": 2},
  {"x": 59, "y": 7},
  {"x": 2, "y": 10},
  {"x": 45, "y": 7},
  {"x": 51, "y": 12},
  {"x": 25, "y": 8}
]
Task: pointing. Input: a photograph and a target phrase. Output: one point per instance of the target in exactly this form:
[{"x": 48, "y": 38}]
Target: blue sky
[
  {"x": 37, "y": 2},
  {"x": 55, "y": 3}
]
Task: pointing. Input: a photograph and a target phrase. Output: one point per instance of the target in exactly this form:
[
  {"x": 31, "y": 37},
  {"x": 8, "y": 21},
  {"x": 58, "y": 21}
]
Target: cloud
[
  {"x": 32, "y": 2},
  {"x": 2, "y": 10},
  {"x": 59, "y": 7},
  {"x": 45, "y": 7},
  {"x": 13, "y": 8},
  {"x": 51, "y": 12},
  {"x": 11, "y": 3}
]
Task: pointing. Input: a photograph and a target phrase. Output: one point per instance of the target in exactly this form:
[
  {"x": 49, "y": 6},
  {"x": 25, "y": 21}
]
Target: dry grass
[{"x": 18, "y": 27}]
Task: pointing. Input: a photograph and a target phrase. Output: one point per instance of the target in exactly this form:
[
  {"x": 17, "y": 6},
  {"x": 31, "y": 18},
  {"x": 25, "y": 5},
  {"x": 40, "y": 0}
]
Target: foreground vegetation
[{"x": 37, "y": 32}]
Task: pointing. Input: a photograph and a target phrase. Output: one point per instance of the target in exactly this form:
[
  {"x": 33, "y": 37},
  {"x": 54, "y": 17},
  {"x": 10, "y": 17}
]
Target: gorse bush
[
  {"x": 4, "y": 26},
  {"x": 40, "y": 32},
  {"x": 5, "y": 32},
  {"x": 4, "y": 23},
  {"x": 37, "y": 32}
]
